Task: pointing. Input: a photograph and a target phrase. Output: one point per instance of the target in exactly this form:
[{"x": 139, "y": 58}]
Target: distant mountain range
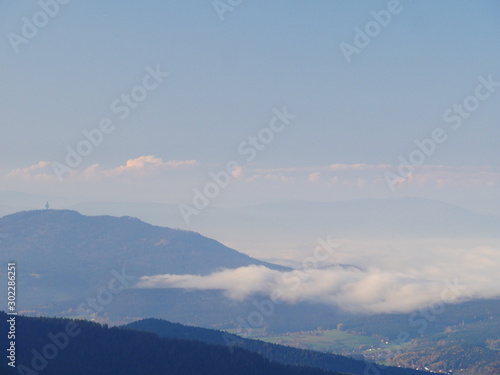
[
  {"x": 66, "y": 256},
  {"x": 271, "y": 222},
  {"x": 286, "y": 232},
  {"x": 360, "y": 218}
]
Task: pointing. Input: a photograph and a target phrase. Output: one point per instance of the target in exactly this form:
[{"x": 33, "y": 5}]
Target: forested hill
[
  {"x": 278, "y": 353},
  {"x": 66, "y": 256},
  {"x": 50, "y": 346}
]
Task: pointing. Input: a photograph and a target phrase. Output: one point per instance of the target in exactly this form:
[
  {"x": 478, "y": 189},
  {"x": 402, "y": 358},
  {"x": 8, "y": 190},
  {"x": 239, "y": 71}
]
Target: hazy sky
[
  {"x": 230, "y": 70},
  {"x": 257, "y": 101}
]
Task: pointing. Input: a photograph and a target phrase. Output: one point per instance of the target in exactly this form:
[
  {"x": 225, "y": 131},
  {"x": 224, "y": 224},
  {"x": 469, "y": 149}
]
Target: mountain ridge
[
  {"x": 90, "y": 348},
  {"x": 273, "y": 352},
  {"x": 66, "y": 255}
]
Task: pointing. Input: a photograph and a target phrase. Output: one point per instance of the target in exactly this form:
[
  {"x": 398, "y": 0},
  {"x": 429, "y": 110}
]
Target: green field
[{"x": 325, "y": 341}]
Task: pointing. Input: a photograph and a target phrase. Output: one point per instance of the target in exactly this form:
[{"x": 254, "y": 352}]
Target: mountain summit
[{"x": 64, "y": 255}]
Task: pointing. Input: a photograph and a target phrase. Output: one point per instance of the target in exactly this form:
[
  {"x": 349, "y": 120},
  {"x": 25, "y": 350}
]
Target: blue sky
[{"x": 353, "y": 120}]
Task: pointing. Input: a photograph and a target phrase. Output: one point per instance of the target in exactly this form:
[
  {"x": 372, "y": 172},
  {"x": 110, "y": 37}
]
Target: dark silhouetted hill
[
  {"x": 273, "y": 352},
  {"x": 43, "y": 347}
]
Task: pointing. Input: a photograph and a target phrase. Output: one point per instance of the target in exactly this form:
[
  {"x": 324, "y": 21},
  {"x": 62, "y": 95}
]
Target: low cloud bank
[{"x": 448, "y": 276}]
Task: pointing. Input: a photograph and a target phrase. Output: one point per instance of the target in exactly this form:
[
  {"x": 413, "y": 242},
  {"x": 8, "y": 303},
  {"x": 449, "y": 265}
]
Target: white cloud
[
  {"x": 256, "y": 278},
  {"x": 314, "y": 177},
  {"x": 148, "y": 165},
  {"x": 357, "y": 167},
  {"x": 39, "y": 172},
  {"x": 251, "y": 184},
  {"x": 237, "y": 172},
  {"x": 143, "y": 166},
  {"x": 365, "y": 175},
  {"x": 280, "y": 178},
  {"x": 415, "y": 282}
]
